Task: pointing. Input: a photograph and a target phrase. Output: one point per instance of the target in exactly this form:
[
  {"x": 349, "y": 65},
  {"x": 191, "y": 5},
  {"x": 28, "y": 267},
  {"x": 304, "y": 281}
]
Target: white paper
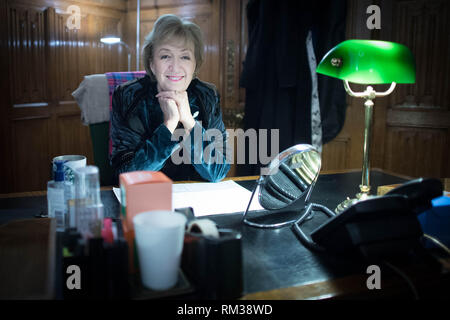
[
  {"x": 210, "y": 198},
  {"x": 117, "y": 194}
]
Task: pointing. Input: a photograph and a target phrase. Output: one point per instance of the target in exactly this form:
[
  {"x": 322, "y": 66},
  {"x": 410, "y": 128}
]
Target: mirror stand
[{"x": 297, "y": 205}]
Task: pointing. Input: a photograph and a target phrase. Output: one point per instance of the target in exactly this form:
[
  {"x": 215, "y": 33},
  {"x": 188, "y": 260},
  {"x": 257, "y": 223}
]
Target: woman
[{"x": 166, "y": 120}]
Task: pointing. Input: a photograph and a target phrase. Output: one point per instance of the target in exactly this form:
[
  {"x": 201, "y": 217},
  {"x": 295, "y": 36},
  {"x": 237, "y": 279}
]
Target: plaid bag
[{"x": 115, "y": 79}]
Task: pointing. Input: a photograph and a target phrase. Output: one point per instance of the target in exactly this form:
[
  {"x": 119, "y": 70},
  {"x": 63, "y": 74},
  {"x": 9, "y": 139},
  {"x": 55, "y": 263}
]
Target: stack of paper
[{"x": 210, "y": 198}]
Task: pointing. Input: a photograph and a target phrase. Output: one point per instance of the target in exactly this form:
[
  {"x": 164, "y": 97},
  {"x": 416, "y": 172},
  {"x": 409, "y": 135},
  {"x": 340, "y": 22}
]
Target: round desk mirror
[{"x": 285, "y": 188}]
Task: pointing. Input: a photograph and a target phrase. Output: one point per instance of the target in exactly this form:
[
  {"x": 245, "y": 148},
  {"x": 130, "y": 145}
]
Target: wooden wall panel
[
  {"x": 336, "y": 155},
  {"x": 416, "y": 152},
  {"x": 5, "y": 90},
  {"x": 243, "y": 49},
  {"x": 80, "y": 52},
  {"x": 417, "y": 119},
  {"x": 70, "y": 135},
  {"x": 31, "y": 166},
  {"x": 27, "y": 51},
  {"x": 423, "y": 26},
  {"x": 235, "y": 47}
]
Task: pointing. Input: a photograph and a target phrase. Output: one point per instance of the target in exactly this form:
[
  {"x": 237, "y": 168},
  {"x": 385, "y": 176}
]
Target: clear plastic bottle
[
  {"x": 88, "y": 205},
  {"x": 57, "y": 207}
]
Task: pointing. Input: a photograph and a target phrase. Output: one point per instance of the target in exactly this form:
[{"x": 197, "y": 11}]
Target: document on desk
[{"x": 210, "y": 198}]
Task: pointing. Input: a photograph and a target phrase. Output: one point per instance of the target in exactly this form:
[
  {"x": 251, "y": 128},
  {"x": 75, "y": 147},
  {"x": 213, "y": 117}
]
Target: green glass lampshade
[{"x": 369, "y": 62}]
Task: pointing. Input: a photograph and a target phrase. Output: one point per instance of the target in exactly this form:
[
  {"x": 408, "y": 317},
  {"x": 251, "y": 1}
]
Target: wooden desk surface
[
  {"x": 355, "y": 287},
  {"x": 27, "y": 255}
]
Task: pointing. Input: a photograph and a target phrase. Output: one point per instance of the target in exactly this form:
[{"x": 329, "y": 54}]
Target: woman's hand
[
  {"x": 170, "y": 112},
  {"x": 184, "y": 109}
]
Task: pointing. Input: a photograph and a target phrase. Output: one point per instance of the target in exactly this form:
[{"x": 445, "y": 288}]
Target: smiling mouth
[{"x": 174, "y": 79}]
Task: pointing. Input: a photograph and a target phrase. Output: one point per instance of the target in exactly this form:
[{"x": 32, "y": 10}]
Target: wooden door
[
  {"x": 28, "y": 110},
  {"x": 417, "y": 120}
]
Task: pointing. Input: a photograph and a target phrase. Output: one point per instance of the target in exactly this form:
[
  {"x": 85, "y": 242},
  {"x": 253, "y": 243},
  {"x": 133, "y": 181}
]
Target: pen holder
[
  {"x": 214, "y": 265},
  {"x": 93, "y": 269}
]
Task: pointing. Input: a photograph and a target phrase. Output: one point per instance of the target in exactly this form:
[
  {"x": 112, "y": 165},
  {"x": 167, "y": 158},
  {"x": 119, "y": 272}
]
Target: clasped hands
[{"x": 175, "y": 108}]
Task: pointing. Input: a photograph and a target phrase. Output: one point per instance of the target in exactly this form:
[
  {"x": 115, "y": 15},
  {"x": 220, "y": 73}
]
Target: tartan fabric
[{"x": 115, "y": 79}]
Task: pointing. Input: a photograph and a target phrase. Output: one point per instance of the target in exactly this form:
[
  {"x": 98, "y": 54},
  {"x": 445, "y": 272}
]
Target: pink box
[{"x": 144, "y": 191}]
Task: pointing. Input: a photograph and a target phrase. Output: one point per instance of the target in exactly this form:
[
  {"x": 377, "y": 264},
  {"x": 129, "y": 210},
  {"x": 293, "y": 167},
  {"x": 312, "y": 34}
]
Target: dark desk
[{"x": 275, "y": 264}]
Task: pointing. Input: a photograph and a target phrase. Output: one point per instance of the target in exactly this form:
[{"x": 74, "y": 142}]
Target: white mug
[{"x": 71, "y": 162}]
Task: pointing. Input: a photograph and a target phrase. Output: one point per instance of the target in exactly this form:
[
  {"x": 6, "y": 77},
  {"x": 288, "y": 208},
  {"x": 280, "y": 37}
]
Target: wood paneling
[
  {"x": 47, "y": 62},
  {"x": 70, "y": 135},
  {"x": 430, "y": 118},
  {"x": 31, "y": 164},
  {"x": 26, "y": 45},
  {"x": 243, "y": 49},
  {"x": 5, "y": 91},
  {"x": 417, "y": 120},
  {"x": 335, "y": 155},
  {"x": 235, "y": 47},
  {"x": 416, "y": 152},
  {"x": 423, "y": 26}
]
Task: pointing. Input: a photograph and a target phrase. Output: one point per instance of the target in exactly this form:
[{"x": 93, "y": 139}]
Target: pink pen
[{"x": 107, "y": 232}]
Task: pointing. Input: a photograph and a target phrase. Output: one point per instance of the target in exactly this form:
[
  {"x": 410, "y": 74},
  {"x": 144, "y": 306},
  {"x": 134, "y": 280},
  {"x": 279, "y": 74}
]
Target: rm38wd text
[{"x": 246, "y": 309}]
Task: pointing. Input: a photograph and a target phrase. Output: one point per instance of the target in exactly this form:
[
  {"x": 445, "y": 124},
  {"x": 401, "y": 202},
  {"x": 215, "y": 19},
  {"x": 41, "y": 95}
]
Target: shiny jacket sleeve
[
  {"x": 132, "y": 149},
  {"x": 208, "y": 148}
]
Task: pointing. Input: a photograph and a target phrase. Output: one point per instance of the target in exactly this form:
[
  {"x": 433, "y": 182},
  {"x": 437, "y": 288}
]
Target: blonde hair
[{"x": 166, "y": 28}]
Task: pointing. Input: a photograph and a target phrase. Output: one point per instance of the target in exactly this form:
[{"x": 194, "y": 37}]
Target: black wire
[
  {"x": 309, "y": 213},
  {"x": 405, "y": 277}
]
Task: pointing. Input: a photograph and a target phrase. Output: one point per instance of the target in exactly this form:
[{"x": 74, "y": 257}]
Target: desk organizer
[
  {"x": 211, "y": 268},
  {"x": 182, "y": 288},
  {"x": 214, "y": 265},
  {"x": 103, "y": 268}
]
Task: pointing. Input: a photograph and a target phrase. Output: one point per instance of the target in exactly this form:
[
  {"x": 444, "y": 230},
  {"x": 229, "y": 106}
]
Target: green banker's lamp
[{"x": 368, "y": 62}]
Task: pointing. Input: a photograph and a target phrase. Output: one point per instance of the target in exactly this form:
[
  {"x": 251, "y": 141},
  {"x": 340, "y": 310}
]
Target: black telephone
[{"x": 377, "y": 227}]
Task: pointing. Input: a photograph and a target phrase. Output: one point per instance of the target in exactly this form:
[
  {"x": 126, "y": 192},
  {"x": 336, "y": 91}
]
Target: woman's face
[{"x": 173, "y": 65}]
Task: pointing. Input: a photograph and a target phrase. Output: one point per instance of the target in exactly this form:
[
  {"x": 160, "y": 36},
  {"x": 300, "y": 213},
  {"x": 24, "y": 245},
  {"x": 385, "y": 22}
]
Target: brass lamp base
[
  {"x": 363, "y": 195},
  {"x": 369, "y": 94}
]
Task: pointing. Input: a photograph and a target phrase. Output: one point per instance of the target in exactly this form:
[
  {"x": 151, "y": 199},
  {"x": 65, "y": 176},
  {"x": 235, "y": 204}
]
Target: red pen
[{"x": 107, "y": 232}]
